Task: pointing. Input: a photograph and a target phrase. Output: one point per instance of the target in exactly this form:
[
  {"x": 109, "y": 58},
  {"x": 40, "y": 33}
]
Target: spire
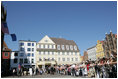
[
  {"x": 110, "y": 31},
  {"x": 106, "y": 33}
]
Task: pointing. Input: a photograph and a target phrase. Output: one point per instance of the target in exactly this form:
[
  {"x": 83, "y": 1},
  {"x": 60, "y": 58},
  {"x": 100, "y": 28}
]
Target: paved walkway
[{"x": 45, "y": 76}]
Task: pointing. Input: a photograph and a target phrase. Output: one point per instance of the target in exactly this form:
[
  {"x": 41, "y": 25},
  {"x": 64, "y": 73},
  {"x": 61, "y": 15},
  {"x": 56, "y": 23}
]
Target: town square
[{"x": 58, "y": 39}]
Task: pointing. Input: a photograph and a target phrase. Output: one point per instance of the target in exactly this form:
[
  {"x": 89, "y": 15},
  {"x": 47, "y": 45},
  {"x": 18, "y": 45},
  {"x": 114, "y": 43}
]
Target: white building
[
  {"x": 26, "y": 55},
  {"x": 48, "y": 51},
  {"x": 14, "y": 59},
  {"x": 92, "y": 53},
  {"x": 51, "y": 51}
]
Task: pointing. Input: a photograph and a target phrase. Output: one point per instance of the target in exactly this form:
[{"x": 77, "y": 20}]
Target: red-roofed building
[{"x": 5, "y": 62}]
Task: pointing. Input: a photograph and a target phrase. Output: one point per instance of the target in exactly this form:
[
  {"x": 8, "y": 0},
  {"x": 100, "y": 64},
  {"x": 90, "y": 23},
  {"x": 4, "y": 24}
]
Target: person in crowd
[
  {"x": 33, "y": 71},
  {"x": 41, "y": 71},
  {"x": 73, "y": 71},
  {"x": 48, "y": 69},
  {"x": 14, "y": 72},
  {"x": 37, "y": 71}
]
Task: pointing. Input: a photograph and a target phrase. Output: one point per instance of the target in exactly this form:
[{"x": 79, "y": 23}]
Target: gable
[{"x": 46, "y": 40}]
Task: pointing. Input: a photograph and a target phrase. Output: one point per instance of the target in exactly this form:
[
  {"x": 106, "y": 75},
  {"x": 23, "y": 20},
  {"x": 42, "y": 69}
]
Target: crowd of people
[{"x": 102, "y": 68}]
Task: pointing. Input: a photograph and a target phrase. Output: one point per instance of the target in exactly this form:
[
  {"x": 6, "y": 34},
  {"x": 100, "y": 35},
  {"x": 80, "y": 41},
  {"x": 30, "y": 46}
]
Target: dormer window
[
  {"x": 62, "y": 47},
  {"x": 75, "y": 47},
  {"x": 58, "y": 47},
  {"x": 71, "y": 47},
  {"x": 67, "y": 47}
]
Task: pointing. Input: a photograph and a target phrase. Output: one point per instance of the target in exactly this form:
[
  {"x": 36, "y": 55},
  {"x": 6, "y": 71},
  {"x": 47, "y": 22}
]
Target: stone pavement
[{"x": 46, "y": 76}]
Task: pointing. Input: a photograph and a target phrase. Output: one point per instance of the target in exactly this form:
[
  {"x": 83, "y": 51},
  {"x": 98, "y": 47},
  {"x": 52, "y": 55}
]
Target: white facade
[
  {"x": 46, "y": 51},
  {"x": 92, "y": 53},
  {"x": 57, "y": 53},
  {"x": 14, "y": 59},
  {"x": 26, "y": 55}
]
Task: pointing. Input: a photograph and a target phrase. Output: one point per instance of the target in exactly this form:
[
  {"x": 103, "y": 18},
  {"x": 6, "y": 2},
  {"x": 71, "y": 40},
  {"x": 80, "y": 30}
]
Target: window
[
  {"x": 28, "y": 54},
  {"x": 32, "y": 54},
  {"x": 76, "y": 59},
  {"x": 48, "y": 53},
  {"x": 44, "y": 53},
  {"x": 63, "y": 53},
  {"x": 48, "y": 46},
  {"x": 22, "y": 49},
  {"x": 75, "y": 53},
  {"x": 58, "y": 53},
  {"x": 52, "y": 46},
  {"x": 32, "y": 49},
  {"x": 58, "y": 47},
  {"x": 28, "y": 49},
  {"x": 71, "y": 53},
  {"x": 71, "y": 47},
  {"x": 21, "y": 44},
  {"x": 6, "y": 54},
  {"x": 15, "y": 60},
  {"x": 68, "y": 59},
  {"x": 21, "y": 54},
  {"x": 32, "y": 44},
  {"x": 72, "y": 59},
  {"x": 75, "y": 47},
  {"x": 43, "y": 46},
  {"x": 40, "y": 59},
  {"x": 67, "y": 53},
  {"x": 67, "y": 47},
  {"x": 52, "y": 59},
  {"x": 52, "y": 53},
  {"x": 28, "y": 44},
  {"x": 48, "y": 59},
  {"x": 63, "y": 59},
  {"x": 32, "y": 60},
  {"x": 58, "y": 59},
  {"x": 62, "y": 47},
  {"x": 39, "y": 53},
  {"x": 21, "y": 61},
  {"x": 25, "y": 60},
  {"x": 16, "y": 54},
  {"x": 39, "y": 46}
]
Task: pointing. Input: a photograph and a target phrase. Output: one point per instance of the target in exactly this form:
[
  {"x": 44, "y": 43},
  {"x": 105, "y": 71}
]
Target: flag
[
  {"x": 13, "y": 36},
  {"x": 4, "y": 27}
]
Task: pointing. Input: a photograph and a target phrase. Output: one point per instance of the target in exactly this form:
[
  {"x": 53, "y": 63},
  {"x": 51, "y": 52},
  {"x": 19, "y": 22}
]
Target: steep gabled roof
[
  {"x": 5, "y": 47},
  {"x": 62, "y": 41}
]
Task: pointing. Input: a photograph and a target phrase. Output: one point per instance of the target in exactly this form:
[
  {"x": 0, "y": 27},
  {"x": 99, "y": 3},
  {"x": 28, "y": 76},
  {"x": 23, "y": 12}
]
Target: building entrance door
[
  {"x": 47, "y": 64},
  {"x": 40, "y": 66}
]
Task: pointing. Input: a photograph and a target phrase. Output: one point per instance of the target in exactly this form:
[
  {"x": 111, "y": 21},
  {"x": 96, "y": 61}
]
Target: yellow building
[{"x": 99, "y": 49}]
